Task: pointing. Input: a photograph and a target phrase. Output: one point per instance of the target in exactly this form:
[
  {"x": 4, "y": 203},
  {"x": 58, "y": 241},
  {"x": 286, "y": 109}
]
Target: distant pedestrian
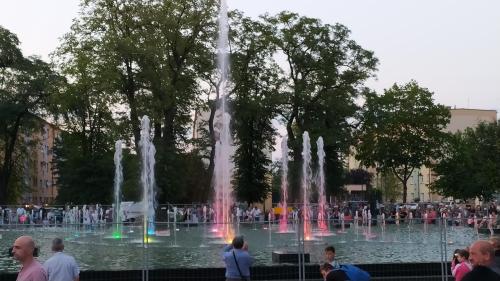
[
  {"x": 237, "y": 260},
  {"x": 61, "y": 267},
  {"x": 24, "y": 251}
]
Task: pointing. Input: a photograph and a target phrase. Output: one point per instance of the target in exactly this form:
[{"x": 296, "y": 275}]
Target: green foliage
[
  {"x": 359, "y": 176},
  {"x": 471, "y": 163},
  {"x": 390, "y": 186},
  {"x": 10, "y": 54},
  {"x": 25, "y": 87},
  {"x": 83, "y": 178},
  {"x": 324, "y": 76},
  {"x": 256, "y": 95},
  {"x": 402, "y": 130}
]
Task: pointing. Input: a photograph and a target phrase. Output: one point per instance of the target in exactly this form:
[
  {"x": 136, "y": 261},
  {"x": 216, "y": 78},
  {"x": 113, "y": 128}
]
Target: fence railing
[{"x": 293, "y": 249}]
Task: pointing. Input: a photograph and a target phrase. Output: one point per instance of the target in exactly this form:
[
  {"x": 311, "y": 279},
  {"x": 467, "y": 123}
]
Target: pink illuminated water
[
  {"x": 222, "y": 170},
  {"x": 306, "y": 184}
]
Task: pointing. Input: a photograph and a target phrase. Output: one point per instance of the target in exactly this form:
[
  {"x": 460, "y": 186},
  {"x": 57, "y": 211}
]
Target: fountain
[
  {"x": 222, "y": 170},
  {"x": 147, "y": 178},
  {"x": 322, "y": 224},
  {"x": 284, "y": 186},
  {"x": 306, "y": 184},
  {"x": 117, "y": 219}
]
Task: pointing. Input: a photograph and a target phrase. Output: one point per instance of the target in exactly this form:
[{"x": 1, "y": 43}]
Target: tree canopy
[
  {"x": 402, "y": 129},
  {"x": 470, "y": 165}
]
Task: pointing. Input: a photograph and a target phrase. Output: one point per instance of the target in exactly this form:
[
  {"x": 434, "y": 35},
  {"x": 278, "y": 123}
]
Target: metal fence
[{"x": 178, "y": 249}]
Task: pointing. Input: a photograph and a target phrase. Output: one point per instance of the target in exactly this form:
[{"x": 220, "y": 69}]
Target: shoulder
[
  {"x": 38, "y": 271},
  {"x": 49, "y": 261},
  {"x": 481, "y": 273}
]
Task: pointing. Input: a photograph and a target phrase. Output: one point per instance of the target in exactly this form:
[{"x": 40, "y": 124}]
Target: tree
[
  {"x": 151, "y": 55},
  {"x": 256, "y": 89},
  {"x": 178, "y": 48},
  {"x": 324, "y": 76},
  {"x": 390, "y": 185},
  {"x": 25, "y": 86},
  {"x": 84, "y": 151},
  {"x": 359, "y": 176},
  {"x": 470, "y": 165},
  {"x": 402, "y": 130}
]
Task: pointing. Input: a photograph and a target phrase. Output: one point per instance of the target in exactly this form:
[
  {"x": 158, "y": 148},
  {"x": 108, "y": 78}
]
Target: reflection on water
[{"x": 194, "y": 246}]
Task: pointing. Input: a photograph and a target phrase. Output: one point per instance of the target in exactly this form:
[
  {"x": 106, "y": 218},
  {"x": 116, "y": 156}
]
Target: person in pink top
[
  {"x": 23, "y": 251},
  {"x": 460, "y": 265}
]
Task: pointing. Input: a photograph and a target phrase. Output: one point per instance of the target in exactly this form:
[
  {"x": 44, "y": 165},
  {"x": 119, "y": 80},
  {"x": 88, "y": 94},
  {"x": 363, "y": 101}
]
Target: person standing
[
  {"x": 482, "y": 257},
  {"x": 61, "y": 267},
  {"x": 23, "y": 250},
  {"x": 460, "y": 265},
  {"x": 237, "y": 260}
]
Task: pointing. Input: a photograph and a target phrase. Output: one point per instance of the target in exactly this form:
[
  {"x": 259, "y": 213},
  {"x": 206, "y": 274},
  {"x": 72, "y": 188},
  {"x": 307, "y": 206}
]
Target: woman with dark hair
[{"x": 460, "y": 265}]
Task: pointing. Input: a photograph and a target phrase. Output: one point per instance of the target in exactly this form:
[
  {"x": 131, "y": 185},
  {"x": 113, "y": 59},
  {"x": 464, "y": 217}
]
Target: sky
[{"x": 452, "y": 47}]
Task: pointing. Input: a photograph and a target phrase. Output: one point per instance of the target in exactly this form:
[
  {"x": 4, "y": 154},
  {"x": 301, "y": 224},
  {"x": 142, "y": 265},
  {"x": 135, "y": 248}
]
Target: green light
[{"x": 117, "y": 235}]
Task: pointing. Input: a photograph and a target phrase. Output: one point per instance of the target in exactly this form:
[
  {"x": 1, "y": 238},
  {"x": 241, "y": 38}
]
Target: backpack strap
[{"x": 238, "y": 266}]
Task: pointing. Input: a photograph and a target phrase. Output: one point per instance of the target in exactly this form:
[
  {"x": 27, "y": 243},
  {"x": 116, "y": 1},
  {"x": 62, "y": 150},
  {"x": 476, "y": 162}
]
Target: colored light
[{"x": 117, "y": 235}]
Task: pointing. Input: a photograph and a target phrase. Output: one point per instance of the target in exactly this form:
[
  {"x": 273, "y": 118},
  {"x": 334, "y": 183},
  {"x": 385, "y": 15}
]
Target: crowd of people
[{"x": 480, "y": 216}]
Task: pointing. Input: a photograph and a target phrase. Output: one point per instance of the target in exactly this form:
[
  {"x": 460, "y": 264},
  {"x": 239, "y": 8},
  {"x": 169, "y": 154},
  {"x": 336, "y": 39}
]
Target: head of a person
[
  {"x": 330, "y": 253},
  {"x": 57, "y": 245},
  {"x": 462, "y": 255},
  {"x": 325, "y": 269},
  {"x": 23, "y": 249},
  {"x": 238, "y": 242},
  {"x": 481, "y": 253}
]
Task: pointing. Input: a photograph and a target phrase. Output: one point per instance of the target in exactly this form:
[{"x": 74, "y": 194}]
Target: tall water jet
[
  {"x": 284, "y": 185},
  {"x": 306, "y": 184},
  {"x": 222, "y": 170},
  {"x": 322, "y": 225},
  {"x": 117, "y": 218},
  {"x": 147, "y": 177}
]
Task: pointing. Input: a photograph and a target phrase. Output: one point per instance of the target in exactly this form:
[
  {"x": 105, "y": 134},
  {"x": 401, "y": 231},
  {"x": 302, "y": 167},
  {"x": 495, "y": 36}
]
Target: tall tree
[
  {"x": 325, "y": 74},
  {"x": 177, "y": 38},
  {"x": 402, "y": 130},
  {"x": 25, "y": 86},
  {"x": 470, "y": 164},
  {"x": 256, "y": 96},
  {"x": 84, "y": 151},
  {"x": 151, "y": 53}
]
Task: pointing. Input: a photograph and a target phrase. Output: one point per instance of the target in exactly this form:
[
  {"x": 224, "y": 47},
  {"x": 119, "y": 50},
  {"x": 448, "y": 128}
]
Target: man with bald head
[
  {"x": 482, "y": 257},
  {"x": 23, "y": 251}
]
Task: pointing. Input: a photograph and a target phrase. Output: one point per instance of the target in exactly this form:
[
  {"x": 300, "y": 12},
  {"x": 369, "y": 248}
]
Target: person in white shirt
[{"x": 61, "y": 267}]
